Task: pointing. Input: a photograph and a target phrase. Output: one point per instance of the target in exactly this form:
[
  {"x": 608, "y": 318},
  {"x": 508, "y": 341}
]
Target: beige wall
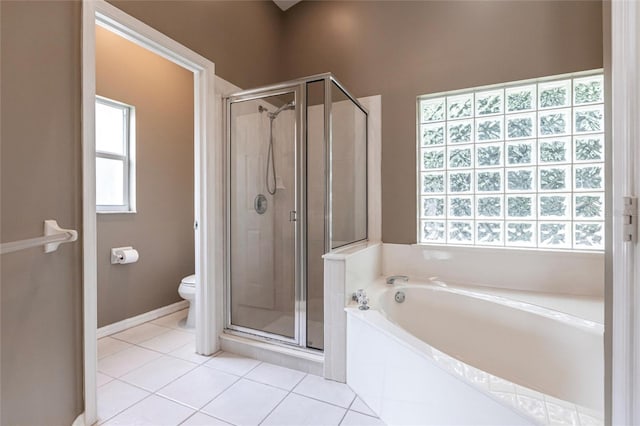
[
  {"x": 41, "y": 310},
  {"x": 243, "y": 38},
  {"x": 41, "y": 296},
  {"x": 162, "y": 228},
  {"x": 402, "y": 49}
]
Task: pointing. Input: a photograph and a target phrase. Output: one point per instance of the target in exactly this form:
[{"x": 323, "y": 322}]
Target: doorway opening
[{"x": 103, "y": 16}]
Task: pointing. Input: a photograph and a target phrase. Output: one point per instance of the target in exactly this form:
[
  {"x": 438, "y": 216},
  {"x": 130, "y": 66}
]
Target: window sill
[
  {"x": 116, "y": 212},
  {"x": 522, "y": 250}
]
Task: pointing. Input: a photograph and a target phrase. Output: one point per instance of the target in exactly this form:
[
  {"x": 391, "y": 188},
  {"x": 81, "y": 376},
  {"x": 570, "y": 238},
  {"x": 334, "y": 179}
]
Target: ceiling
[{"x": 285, "y": 4}]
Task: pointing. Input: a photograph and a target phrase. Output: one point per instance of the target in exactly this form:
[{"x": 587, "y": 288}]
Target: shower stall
[{"x": 296, "y": 188}]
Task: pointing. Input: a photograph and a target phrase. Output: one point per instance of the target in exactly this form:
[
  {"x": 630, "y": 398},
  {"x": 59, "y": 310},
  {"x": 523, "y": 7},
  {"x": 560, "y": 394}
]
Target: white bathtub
[{"x": 449, "y": 355}]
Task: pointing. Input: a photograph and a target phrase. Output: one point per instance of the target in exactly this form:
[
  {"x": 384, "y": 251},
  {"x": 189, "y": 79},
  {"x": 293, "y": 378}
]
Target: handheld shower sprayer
[
  {"x": 274, "y": 114},
  {"x": 287, "y": 106},
  {"x": 271, "y": 161}
]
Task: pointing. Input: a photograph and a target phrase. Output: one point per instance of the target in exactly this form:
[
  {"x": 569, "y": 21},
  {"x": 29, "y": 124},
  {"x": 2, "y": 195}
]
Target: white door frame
[
  {"x": 208, "y": 196},
  {"x": 625, "y": 68}
]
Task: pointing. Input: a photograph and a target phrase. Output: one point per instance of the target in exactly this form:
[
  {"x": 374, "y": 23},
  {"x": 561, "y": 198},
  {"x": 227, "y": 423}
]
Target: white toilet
[{"x": 187, "y": 290}]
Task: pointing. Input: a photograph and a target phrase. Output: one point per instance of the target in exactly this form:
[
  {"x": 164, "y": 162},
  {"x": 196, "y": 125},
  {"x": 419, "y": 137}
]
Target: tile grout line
[
  {"x": 327, "y": 402},
  {"x": 217, "y": 418},
  {"x": 210, "y": 357},
  {"x": 239, "y": 375},
  {"x": 296, "y": 385},
  {"x": 365, "y": 404},
  {"x": 320, "y": 400},
  {"x": 161, "y": 353},
  {"x": 292, "y": 391},
  {"x": 204, "y": 414},
  {"x": 355, "y": 395},
  {"x": 178, "y": 378},
  {"x": 119, "y": 379},
  {"x": 150, "y": 393},
  {"x": 126, "y": 408},
  {"x": 270, "y": 385},
  {"x": 149, "y": 362},
  {"x": 187, "y": 419},
  {"x": 255, "y": 381},
  {"x": 204, "y": 363},
  {"x": 237, "y": 379},
  {"x": 364, "y": 414},
  {"x": 282, "y": 400},
  {"x": 139, "y": 344}
]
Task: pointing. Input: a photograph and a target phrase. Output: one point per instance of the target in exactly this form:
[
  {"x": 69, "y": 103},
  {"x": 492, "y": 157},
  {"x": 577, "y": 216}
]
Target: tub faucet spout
[{"x": 392, "y": 279}]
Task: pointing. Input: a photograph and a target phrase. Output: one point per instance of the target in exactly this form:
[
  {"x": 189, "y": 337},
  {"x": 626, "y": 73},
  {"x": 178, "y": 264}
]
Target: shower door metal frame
[
  {"x": 299, "y": 87},
  {"x": 300, "y": 308},
  {"x": 328, "y": 130}
]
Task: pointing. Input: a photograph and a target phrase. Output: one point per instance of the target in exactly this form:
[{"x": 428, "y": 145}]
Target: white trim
[
  {"x": 79, "y": 421},
  {"x": 223, "y": 89},
  {"x": 208, "y": 196},
  {"x": 626, "y": 181},
  {"x": 119, "y": 326},
  {"x": 89, "y": 229}
]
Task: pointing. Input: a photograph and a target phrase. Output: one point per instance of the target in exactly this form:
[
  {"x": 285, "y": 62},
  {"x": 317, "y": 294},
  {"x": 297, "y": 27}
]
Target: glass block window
[{"x": 514, "y": 165}]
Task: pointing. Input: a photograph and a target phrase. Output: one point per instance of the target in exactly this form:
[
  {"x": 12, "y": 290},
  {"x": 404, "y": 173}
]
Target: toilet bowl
[{"x": 187, "y": 290}]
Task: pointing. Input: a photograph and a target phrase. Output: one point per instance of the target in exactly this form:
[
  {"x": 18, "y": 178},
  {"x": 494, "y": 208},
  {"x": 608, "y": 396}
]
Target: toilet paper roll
[{"x": 128, "y": 256}]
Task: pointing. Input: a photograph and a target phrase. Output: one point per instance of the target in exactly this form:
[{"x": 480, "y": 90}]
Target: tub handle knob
[{"x": 360, "y": 296}]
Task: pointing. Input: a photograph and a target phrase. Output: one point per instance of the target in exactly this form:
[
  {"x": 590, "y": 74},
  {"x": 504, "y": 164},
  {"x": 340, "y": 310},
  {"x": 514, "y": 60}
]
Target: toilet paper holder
[{"x": 117, "y": 254}]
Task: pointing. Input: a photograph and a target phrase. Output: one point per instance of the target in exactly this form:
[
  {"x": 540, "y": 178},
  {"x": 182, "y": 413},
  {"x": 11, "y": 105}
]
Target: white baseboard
[{"x": 119, "y": 326}]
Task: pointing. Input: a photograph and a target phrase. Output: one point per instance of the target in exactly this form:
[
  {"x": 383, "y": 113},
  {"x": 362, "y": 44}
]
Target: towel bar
[{"x": 53, "y": 237}]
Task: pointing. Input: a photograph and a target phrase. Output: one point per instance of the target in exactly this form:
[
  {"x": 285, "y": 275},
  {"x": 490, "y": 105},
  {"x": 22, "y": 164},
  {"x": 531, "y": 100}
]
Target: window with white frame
[
  {"x": 516, "y": 165},
  {"x": 115, "y": 148}
]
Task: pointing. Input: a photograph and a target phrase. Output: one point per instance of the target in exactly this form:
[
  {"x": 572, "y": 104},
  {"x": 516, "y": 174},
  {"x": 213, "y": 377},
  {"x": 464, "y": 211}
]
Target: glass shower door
[{"x": 262, "y": 215}]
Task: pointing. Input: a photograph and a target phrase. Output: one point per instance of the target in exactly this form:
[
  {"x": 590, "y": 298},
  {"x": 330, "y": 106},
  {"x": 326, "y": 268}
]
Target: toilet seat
[{"x": 189, "y": 281}]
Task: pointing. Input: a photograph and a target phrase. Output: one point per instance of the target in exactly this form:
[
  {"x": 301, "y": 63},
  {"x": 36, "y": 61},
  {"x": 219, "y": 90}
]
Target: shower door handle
[{"x": 293, "y": 216}]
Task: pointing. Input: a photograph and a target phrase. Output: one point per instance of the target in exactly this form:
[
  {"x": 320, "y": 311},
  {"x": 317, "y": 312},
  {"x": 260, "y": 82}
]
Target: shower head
[
  {"x": 273, "y": 115},
  {"x": 288, "y": 105}
]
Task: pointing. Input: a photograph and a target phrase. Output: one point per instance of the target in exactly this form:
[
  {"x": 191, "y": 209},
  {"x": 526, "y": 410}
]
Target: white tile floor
[{"x": 151, "y": 375}]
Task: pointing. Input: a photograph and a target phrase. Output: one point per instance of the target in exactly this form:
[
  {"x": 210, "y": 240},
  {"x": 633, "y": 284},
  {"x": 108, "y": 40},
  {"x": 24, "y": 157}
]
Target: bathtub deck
[{"x": 590, "y": 308}]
